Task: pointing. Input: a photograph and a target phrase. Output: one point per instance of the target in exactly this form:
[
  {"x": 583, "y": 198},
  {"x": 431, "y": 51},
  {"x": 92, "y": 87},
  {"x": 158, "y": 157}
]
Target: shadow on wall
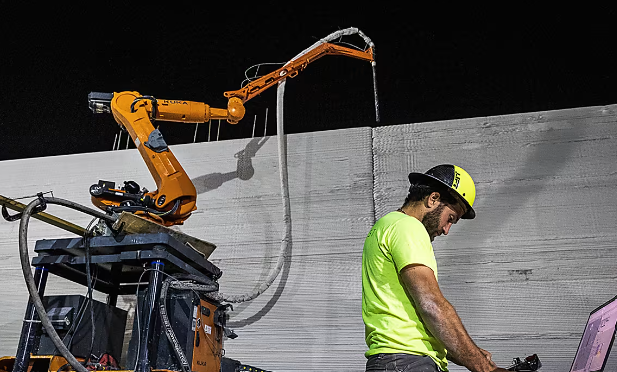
[
  {"x": 552, "y": 153},
  {"x": 244, "y": 168},
  {"x": 553, "y": 148},
  {"x": 284, "y": 275},
  {"x": 245, "y": 171}
]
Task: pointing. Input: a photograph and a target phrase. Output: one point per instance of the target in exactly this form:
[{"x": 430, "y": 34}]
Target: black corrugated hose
[
  {"x": 29, "y": 278},
  {"x": 202, "y": 286}
]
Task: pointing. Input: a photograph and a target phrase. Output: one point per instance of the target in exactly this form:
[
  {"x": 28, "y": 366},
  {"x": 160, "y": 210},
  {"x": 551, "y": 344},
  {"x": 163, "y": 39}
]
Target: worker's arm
[
  {"x": 486, "y": 354},
  {"x": 441, "y": 319}
]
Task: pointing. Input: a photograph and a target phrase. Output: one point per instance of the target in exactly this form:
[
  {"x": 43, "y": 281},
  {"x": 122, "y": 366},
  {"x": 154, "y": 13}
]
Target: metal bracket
[
  {"x": 39, "y": 208},
  {"x": 156, "y": 142},
  {"x": 220, "y": 319}
]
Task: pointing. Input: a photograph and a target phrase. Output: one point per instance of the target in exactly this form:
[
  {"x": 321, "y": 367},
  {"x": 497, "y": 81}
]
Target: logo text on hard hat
[{"x": 457, "y": 180}]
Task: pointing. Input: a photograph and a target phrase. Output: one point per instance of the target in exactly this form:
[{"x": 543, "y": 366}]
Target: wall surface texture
[{"x": 523, "y": 276}]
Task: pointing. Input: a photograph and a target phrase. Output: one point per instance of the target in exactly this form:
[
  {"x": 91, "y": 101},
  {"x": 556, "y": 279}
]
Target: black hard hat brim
[{"x": 427, "y": 179}]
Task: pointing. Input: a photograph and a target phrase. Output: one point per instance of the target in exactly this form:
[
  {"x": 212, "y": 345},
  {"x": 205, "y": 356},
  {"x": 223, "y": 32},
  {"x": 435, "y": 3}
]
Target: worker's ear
[{"x": 433, "y": 200}]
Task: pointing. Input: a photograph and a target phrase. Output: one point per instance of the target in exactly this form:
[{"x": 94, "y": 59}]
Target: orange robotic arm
[
  {"x": 175, "y": 197},
  {"x": 292, "y": 69}
]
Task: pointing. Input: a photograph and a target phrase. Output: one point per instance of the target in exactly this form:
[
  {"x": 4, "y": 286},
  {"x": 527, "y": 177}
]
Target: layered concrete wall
[
  {"x": 523, "y": 275},
  {"x": 310, "y": 317},
  {"x": 542, "y": 251}
]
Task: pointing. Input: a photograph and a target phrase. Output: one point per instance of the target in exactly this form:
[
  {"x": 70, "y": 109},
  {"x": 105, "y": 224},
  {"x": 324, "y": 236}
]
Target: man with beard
[{"x": 409, "y": 325}]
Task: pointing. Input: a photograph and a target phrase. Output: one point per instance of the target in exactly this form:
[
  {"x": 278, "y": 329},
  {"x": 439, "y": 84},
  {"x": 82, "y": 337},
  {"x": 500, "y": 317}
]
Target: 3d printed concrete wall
[{"x": 523, "y": 275}]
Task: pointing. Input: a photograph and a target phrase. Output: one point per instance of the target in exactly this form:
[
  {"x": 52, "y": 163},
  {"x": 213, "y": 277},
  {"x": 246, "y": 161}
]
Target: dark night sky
[{"x": 430, "y": 67}]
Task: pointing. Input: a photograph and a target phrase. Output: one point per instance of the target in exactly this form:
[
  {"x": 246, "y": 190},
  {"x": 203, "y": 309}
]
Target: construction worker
[{"x": 409, "y": 325}]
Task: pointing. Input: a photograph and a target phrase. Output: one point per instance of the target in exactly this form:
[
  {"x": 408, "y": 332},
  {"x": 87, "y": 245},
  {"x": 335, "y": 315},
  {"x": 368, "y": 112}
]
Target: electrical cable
[
  {"x": 248, "y": 79},
  {"x": 175, "y": 279},
  {"x": 137, "y": 315},
  {"x": 33, "y": 196},
  {"x": 80, "y": 315},
  {"x": 88, "y": 301},
  {"x": 349, "y": 45},
  {"x": 154, "y": 106},
  {"x": 139, "y": 208},
  {"x": 169, "y": 332},
  {"x": 87, "y": 235},
  {"x": 29, "y": 278}
]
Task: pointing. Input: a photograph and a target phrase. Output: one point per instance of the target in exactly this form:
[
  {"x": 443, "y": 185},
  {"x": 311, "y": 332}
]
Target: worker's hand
[
  {"x": 488, "y": 357},
  {"x": 493, "y": 365}
]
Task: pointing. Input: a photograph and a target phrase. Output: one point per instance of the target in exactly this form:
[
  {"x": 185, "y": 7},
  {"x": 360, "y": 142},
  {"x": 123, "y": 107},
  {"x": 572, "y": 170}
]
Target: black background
[{"x": 429, "y": 66}]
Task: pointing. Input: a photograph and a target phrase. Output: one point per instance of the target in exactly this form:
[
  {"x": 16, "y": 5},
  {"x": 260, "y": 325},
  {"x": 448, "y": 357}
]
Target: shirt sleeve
[{"x": 410, "y": 244}]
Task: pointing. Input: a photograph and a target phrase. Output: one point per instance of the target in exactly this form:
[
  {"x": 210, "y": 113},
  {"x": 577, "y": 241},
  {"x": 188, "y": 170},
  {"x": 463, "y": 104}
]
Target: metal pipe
[
  {"x": 266, "y": 122},
  {"x": 254, "y": 121},
  {"x": 45, "y": 217}
]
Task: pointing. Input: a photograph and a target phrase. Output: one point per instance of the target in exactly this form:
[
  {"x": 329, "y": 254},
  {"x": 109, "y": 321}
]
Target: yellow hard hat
[{"x": 457, "y": 180}]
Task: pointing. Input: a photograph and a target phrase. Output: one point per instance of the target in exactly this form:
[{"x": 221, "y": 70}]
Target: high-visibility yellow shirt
[{"x": 392, "y": 324}]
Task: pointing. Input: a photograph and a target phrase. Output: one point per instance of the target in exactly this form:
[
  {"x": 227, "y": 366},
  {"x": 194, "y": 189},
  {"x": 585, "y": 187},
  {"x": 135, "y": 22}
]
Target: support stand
[
  {"x": 154, "y": 287},
  {"x": 31, "y": 325},
  {"x": 120, "y": 263}
]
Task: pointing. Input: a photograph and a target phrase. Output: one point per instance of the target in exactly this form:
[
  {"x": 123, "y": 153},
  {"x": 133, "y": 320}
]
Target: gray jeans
[{"x": 400, "y": 363}]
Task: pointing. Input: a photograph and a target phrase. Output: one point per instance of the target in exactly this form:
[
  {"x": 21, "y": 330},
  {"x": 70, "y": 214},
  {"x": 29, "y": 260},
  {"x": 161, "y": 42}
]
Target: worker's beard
[{"x": 431, "y": 221}]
